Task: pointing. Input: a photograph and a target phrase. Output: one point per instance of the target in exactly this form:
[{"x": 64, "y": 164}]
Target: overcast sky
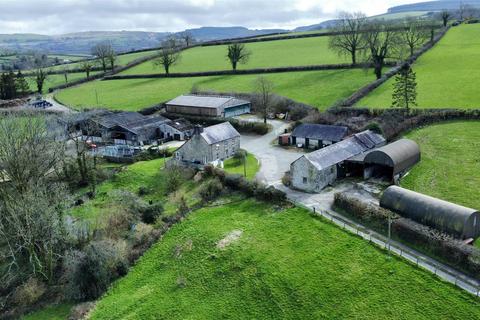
[{"x": 63, "y": 16}]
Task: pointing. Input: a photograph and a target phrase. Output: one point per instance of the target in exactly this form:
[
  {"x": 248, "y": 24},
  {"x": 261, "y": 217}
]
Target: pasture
[
  {"x": 280, "y": 265},
  {"x": 279, "y": 53},
  {"x": 450, "y": 165},
  {"x": 54, "y": 80},
  {"x": 320, "y": 89},
  {"x": 447, "y": 75}
]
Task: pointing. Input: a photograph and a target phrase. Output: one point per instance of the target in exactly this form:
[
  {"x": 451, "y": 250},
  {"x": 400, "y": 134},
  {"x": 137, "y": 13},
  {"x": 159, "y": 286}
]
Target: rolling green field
[
  {"x": 317, "y": 88},
  {"x": 54, "y": 80},
  {"x": 450, "y": 165},
  {"x": 447, "y": 75},
  {"x": 280, "y": 53},
  {"x": 284, "y": 265}
]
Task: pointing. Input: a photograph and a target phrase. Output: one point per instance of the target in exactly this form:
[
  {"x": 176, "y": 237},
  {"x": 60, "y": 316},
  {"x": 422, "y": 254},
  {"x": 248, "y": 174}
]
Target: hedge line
[
  {"x": 438, "y": 244},
  {"x": 240, "y": 72},
  {"x": 364, "y": 91}
]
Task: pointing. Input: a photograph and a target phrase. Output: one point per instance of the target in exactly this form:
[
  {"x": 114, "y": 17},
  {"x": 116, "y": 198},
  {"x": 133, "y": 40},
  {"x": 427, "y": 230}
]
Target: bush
[
  {"x": 28, "y": 293},
  {"x": 80, "y": 311},
  {"x": 89, "y": 272},
  {"x": 150, "y": 213},
  {"x": 211, "y": 190}
]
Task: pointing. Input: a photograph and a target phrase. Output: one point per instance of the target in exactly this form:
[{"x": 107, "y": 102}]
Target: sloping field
[
  {"x": 447, "y": 75},
  {"x": 279, "y": 53},
  {"x": 54, "y": 80},
  {"x": 317, "y": 88},
  {"x": 450, "y": 165},
  {"x": 275, "y": 265}
]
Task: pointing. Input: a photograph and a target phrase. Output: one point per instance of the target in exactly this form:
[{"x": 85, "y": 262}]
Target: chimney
[{"x": 197, "y": 129}]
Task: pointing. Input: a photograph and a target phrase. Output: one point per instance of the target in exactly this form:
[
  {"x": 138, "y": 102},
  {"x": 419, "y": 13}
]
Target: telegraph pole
[{"x": 245, "y": 164}]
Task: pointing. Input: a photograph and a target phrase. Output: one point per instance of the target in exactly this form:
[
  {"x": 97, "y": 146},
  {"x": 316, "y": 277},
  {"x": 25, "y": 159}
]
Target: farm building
[
  {"x": 445, "y": 216},
  {"x": 393, "y": 160},
  {"x": 179, "y": 129},
  {"x": 314, "y": 171},
  {"x": 208, "y": 106},
  {"x": 209, "y": 145},
  {"x": 317, "y": 136}
]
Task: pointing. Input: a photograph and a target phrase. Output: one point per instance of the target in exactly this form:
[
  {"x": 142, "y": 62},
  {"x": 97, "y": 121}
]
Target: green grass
[
  {"x": 54, "y": 312},
  {"x": 235, "y": 166},
  {"x": 292, "y": 52},
  {"x": 447, "y": 75},
  {"x": 450, "y": 165},
  {"x": 317, "y": 88},
  {"x": 286, "y": 265},
  {"x": 54, "y": 80}
]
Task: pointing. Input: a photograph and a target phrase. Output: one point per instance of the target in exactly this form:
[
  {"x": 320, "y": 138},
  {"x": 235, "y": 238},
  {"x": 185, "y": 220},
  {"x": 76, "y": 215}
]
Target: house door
[
  {"x": 294, "y": 140},
  {"x": 307, "y": 142}
]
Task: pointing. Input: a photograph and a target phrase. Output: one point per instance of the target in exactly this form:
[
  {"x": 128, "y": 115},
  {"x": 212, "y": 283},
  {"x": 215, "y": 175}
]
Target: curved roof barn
[
  {"x": 445, "y": 216},
  {"x": 399, "y": 155}
]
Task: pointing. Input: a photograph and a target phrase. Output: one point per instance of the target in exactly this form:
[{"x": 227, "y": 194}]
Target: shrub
[
  {"x": 174, "y": 178},
  {"x": 287, "y": 179},
  {"x": 89, "y": 272},
  {"x": 211, "y": 190},
  {"x": 80, "y": 311},
  {"x": 151, "y": 212},
  {"x": 29, "y": 292}
]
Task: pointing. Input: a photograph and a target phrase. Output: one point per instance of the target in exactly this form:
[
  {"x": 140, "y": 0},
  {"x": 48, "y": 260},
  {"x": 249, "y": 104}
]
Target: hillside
[
  {"x": 268, "y": 271},
  {"x": 434, "y": 5}
]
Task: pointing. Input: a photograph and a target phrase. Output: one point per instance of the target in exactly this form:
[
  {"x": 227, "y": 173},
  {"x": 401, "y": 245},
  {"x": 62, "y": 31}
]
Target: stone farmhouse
[
  {"x": 210, "y": 145},
  {"x": 208, "y": 106},
  {"x": 317, "y": 136}
]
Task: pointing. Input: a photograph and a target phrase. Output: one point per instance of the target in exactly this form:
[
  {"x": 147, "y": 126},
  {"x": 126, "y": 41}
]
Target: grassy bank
[{"x": 285, "y": 264}]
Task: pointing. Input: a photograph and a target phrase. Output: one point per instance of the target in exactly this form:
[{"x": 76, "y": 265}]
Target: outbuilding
[
  {"x": 392, "y": 160},
  {"x": 208, "y": 106},
  {"x": 317, "y": 136},
  {"x": 445, "y": 216},
  {"x": 314, "y": 171}
]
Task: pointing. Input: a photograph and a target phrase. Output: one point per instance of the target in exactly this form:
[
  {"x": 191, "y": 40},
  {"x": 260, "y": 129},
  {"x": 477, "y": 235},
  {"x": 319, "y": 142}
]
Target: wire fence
[{"x": 444, "y": 272}]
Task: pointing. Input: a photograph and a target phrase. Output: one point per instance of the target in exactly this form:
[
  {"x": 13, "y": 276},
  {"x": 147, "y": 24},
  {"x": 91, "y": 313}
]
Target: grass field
[
  {"x": 317, "y": 88},
  {"x": 285, "y": 265},
  {"x": 54, "y": 80},
  {"x": 55, "y": 312},
  {"x": 235, "y": 166},
  {"x": 450, "y": 165},
  {"x": 292, "y": 52},
  {"x": 447, "y": 75}
]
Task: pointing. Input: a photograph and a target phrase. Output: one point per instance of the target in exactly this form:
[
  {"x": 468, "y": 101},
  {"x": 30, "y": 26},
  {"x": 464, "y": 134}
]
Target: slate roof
[
  {"x": 219, "y": 132},
  {"x": 180, "y": 124},
  {"x": 320, "y": 132},
  {"x": 345, "y": 149},
  {"x": 199, "y": 101},
  {"x": 112, "y": 119}
]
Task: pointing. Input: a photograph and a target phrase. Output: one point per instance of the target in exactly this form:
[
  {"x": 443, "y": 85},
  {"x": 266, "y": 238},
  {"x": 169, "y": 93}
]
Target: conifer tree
[
  {"x": 23, "y": 88},
  {"x": 405, "y": 88}
]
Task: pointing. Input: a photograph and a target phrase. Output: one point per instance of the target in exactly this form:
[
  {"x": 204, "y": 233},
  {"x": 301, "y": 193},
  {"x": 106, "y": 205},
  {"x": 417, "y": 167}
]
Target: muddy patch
[{"x": 229, "y": 239}]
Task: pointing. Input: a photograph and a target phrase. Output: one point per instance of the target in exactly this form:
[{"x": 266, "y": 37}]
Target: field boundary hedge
[
  {"x": 242, "y": 72},
  {"x": 364, "y": 91}
]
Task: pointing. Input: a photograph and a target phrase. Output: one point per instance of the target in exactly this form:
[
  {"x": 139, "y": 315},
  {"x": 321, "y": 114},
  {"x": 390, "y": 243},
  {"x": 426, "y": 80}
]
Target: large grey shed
[
  {"x": 445, "y": 216},
  {"x": 392, "y": 160}
]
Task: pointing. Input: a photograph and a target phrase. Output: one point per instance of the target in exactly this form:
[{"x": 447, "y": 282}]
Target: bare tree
[
  {"x": 111, "y": 58},
  {"x": 237, "y": 53},
  {"x": 382, "y": 42},
  {"x": 31, "y": 204},
  {"x": 349, "y": 40},
  {"x": 445, "y": 15},
  {"x": 187, "y": 38},
  {"x": 264, "y": 90},
  {"x": 40, "y": 77},
  {"x": 414, "y": 34},
  {"x": 168, "y": 55},
  {"x": 103, "y": 51},
  {"x": 65, "y": 74},
  {"x": 87, "y": 66}
]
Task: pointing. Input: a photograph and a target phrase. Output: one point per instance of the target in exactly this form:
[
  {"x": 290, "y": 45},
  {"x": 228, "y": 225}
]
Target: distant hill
[
  {"x": 433, "y": 6},
  {"x": 323, "y": 25},
  {"x": 215, "y": 33}
]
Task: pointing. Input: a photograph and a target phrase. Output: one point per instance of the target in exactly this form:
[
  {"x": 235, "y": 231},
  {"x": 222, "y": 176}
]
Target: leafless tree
[
  {"x": 40, "y": 77},
  {"x": 237, "y": 53},
  {"x": 31, "y": 204},
  {"x": 168, "y": 55},
  {"x": 349, "y": 40},
  {"x": 414, "y": 34},
  {"x": 87, "y": 66},
  {"x": 187, "y": 38},
  {"x": 103, "y": 51},
  {"x": 111, "y": 58},
  {"x": 445, "y": 15},
  {"x": 264, "y": 90},
  {"x": 381, "y": 43}
]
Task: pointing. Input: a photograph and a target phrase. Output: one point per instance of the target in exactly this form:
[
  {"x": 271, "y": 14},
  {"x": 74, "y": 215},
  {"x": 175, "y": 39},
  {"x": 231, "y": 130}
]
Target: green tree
[
  {"x": 405, "y": 88},
  {"x": 22, "y": 85},
  {"x": 237, "y": 53},
  {"x": 40, "y": 77}
]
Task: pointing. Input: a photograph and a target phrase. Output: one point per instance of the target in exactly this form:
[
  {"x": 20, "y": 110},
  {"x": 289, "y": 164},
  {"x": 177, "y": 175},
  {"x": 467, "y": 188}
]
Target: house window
[{"x": 304, "y": 180}]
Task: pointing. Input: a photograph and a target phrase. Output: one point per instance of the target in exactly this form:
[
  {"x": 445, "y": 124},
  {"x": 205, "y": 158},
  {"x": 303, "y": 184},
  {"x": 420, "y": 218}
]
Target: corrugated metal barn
[
  {"x": 445, "y": 216},
  {"x": 208, "y": 106},
  {"x": 392, "y": 160}
]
